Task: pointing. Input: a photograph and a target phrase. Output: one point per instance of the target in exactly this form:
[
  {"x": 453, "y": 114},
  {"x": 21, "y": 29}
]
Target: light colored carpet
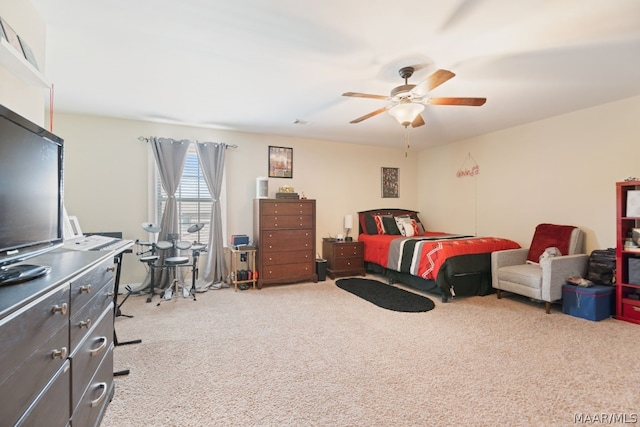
[{"x": 314, "y": 355}]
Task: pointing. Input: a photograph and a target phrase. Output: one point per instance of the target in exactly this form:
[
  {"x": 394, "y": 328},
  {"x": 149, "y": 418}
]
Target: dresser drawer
[
  {"x": 29, "y": 335},
  {"x": 32, "y": 375},
  {"x": 51, "y": 408},
  {"x": 88, "y": 356},
  {"x": 84, "y": 287},
  {"x": 289, "y": 240},
  {"x": 284, "y": 271},
  {"x": 97, "y": 395},
  {"x": 286, "y": 221},
  {"x": 82, "y": 321},
  {"x": 286, "y": 208},
  {"x": 287, "y": 257}
]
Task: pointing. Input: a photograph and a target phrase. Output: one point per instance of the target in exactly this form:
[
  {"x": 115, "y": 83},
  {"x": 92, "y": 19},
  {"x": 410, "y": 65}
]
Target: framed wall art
[
  {"x": 390, "y": 183},
  {"x": 11, "y": 36},
  {"x": 280, "y": 162}
]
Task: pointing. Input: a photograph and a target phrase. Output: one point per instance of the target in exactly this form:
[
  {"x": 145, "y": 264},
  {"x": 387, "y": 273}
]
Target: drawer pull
[
  {"x": 102, "y": 346},
  {"x": 86, "y": 289},
  {"x": 85, "y": 324},
  {"x": 111, "y": 294},
  {"x": 636, "y": 308},
  {"x": 111, "y": 268},
  {"x": 59, "y": 354},
  {"x": 62, "y": 309},
  {"x": 100, "y": 398}
]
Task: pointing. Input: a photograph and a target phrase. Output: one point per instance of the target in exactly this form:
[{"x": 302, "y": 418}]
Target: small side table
[
  {"x": 343, "y": 258},
  {"x": 236, "y": 261}
]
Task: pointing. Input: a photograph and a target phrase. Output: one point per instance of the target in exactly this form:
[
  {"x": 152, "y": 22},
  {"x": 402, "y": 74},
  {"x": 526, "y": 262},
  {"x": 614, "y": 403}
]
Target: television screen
[{"x": 31, "y": 172}]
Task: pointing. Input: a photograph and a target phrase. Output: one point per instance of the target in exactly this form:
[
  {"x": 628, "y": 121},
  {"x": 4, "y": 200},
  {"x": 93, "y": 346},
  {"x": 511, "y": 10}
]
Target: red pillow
[{"x": 548, "y": 236}]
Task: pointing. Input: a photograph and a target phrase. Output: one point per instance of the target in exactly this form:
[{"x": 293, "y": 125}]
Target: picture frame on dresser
[{"x": 280, "y": 162}]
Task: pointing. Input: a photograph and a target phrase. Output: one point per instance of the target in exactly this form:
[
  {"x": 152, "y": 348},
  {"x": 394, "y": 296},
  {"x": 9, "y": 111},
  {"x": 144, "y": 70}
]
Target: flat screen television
[{"x": 31, "y": 190}]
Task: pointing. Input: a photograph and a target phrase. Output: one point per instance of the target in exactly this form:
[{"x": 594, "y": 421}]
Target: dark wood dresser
[
  {"x": 343, "y": 258},
  {"x": 284, "y": 232},
  {"x": 56, "y": 358}
]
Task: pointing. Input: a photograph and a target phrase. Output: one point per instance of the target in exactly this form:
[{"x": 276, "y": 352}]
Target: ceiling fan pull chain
[{"x": 406, "y": 140}]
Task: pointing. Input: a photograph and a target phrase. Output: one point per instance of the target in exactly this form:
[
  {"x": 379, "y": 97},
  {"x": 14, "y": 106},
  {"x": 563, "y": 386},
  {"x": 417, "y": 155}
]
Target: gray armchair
[{"x": 523, "y": 272}]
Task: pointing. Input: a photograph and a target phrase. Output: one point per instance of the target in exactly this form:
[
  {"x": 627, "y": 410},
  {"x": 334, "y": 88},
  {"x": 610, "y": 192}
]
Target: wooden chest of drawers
[
  {"x": 343, "y": 258},
  {"x": 285, "y": 236}
]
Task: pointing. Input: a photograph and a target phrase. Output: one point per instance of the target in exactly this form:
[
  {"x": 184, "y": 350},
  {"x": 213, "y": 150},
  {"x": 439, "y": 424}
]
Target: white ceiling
[{"x": 257, "y": 66}]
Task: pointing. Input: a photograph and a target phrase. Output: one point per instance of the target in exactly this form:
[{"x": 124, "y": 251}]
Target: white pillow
[{"x": 405, "y": 226}]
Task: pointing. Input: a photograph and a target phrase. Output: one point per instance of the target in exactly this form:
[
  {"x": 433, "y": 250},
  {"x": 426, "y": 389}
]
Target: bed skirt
[{"x": 462, "y": 275}]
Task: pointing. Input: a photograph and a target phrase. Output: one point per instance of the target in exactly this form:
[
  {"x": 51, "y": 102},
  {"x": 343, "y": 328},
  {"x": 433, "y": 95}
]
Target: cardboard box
[{"x": 594, "y": 303}]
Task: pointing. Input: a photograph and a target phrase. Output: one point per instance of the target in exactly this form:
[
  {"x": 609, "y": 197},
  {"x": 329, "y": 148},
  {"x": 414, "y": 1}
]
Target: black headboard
[{"x": 385, "y": 211}]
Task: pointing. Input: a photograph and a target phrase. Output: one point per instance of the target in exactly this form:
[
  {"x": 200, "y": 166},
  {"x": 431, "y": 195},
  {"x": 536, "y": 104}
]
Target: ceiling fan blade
[
  {"x": 371, "y": 114},
  {"x": 472, "y": 102},
  {"x": 418, "y": 121},
  {"x": 365, "y": 95},
  {"x": 439, "y": 77},
  {"x": 432, "y": 82}
]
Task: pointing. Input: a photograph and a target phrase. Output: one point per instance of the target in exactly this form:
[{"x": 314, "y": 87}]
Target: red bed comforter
[{"x": 428, "y": 252}]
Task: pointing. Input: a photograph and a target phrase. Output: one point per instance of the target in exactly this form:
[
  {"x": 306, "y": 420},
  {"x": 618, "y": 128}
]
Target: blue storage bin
[{"x": 594, "y": 303}]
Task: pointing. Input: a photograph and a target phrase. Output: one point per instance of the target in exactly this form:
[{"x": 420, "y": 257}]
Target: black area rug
[{"x": 386, "y": 296}]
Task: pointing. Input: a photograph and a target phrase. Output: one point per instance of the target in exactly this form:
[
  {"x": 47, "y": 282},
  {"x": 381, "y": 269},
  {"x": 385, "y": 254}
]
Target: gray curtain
[
  {"x": 213, "y": 272},
  {"x": 170, "y": 156}
]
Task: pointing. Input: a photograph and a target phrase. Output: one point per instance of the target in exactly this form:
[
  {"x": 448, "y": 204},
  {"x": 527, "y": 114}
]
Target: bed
[{"x": 397, "y": 245}]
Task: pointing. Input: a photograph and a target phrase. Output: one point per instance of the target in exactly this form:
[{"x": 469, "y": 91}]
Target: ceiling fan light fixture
[{"x": 406, "y": 113}]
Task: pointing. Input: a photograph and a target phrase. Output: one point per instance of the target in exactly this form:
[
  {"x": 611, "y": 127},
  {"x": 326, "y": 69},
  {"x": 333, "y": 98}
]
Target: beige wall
[
  {"x": 107, "y": 168},
  {"x": 560, "y": 170}
]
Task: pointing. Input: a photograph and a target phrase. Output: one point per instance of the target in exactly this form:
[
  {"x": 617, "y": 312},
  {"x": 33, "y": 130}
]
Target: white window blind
[{"x": 192, "y": 197}]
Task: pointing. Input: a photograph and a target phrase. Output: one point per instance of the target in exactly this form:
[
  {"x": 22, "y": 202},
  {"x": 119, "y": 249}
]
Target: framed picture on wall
[
  {"x": 11, "y": 36},
  {"x": 390, "y": 183},
  {"x": 280, "y": 162},
  {"x": 28, "y": 53}
]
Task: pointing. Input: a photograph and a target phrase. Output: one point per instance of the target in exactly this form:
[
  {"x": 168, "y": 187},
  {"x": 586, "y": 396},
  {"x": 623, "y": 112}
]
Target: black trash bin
[{"x": 321, "y": 269}]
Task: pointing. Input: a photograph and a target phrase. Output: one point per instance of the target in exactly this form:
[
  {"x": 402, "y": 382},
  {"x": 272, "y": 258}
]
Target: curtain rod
[{"x": 145, "y": 139}]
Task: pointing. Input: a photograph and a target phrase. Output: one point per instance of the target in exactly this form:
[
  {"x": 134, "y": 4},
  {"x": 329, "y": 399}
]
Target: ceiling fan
[{"x": 408, "y": 100}]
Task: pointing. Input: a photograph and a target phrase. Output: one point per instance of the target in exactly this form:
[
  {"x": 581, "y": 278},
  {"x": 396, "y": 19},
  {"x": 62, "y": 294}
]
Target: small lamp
[{"x": 348, "y": 225}]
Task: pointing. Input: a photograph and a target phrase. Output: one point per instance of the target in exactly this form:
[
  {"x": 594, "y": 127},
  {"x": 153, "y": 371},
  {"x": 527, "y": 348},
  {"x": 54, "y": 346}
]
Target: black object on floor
[{"x": 386, "y": 296}]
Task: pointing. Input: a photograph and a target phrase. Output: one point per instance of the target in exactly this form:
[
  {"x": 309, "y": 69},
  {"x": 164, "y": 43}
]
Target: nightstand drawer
[
  {"x": 348, "y": 250},
  {"x": 347, "y": 263}
]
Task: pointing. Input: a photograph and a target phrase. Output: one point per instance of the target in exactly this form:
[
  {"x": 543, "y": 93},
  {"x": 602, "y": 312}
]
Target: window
[{"x": 192, "y": 197}]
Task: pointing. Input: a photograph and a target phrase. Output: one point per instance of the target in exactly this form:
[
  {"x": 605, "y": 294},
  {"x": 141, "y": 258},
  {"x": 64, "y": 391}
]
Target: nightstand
[
  {"x": 343, "y": 258},
  {"x": 237, "y": 256}
]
